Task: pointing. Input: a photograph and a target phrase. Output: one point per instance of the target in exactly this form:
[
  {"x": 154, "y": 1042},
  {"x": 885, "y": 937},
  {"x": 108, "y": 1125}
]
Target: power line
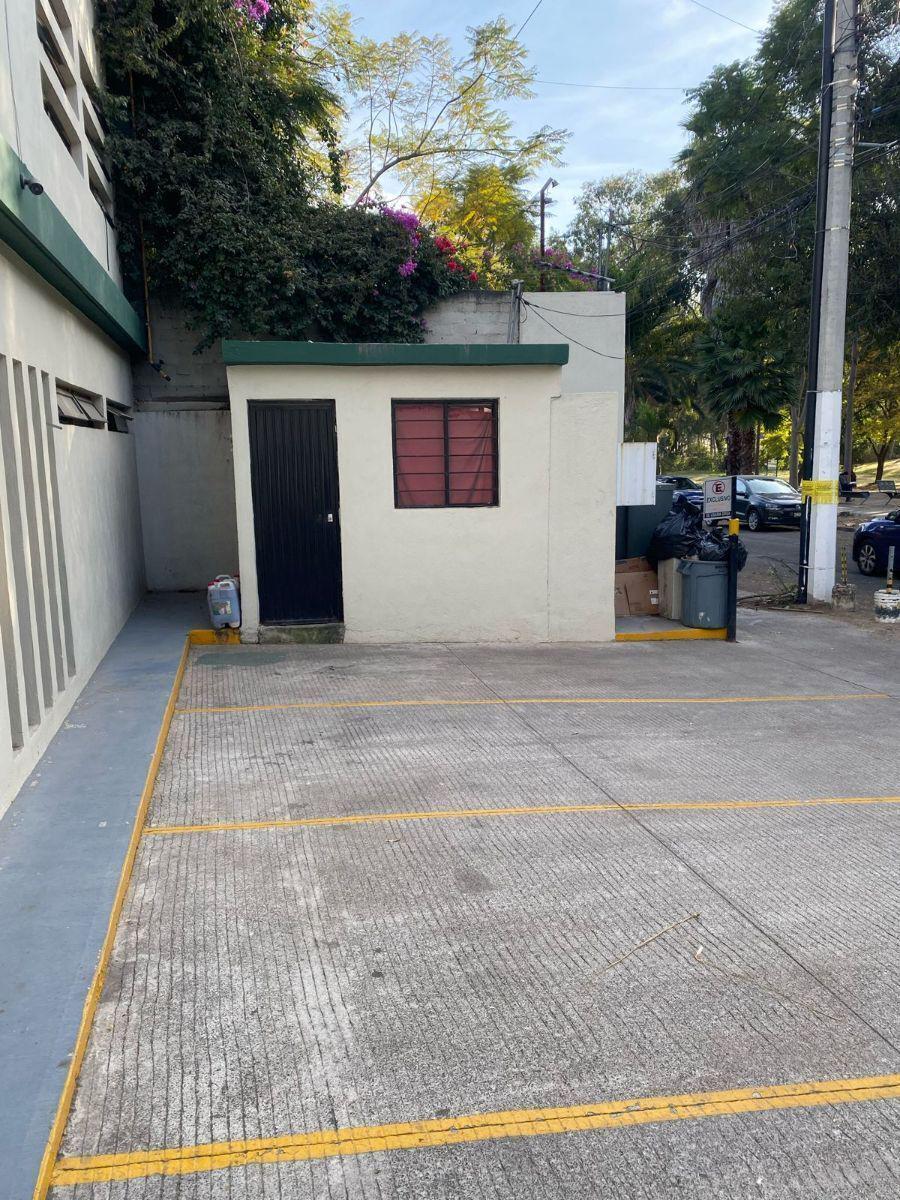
[
  {"x": 725, "y": 16},
  {"x": 583, "y": 345},
  {"x": 528, "y": 18},
  {"x": 616, "y": 87}
]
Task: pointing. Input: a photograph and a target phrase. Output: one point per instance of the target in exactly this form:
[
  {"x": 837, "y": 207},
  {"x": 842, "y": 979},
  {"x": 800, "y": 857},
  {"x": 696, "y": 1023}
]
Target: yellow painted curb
[
  {"x": 478, "y": 1127},
  {"x": 214, "y": 637},
  {"x": 673, "y": 635},
  {"x": 54, "y": 1140}
]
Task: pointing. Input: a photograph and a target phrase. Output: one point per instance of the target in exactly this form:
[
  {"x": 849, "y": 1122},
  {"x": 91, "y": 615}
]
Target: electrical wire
[
  {"x": 725, "y": 16},
  {"x": 616, "y": 87},
  {"x": 574, "y": 341},
  {"x": 528, "y": 18}
]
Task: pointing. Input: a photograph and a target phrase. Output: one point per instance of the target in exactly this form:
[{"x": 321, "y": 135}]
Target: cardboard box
[
  {"x": 625, "y": 566},
  {"x": 642, "y": 593}
]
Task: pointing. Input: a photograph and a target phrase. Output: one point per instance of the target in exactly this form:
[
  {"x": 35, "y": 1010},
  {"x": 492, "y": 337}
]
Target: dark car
[
  {"x": 763, "y": 501},
  {"x": 682, "y": 485},
  {"x": 872, "y": 541}
]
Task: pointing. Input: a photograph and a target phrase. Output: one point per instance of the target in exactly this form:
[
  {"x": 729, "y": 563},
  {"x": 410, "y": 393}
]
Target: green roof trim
[
  {"x": 37, "y": 231},
  {"x": 390, "y": 354}
]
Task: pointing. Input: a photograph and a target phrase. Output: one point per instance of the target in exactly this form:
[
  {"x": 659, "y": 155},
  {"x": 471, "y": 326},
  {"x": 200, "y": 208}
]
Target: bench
[
  {"x": 852, "y": 492},
  {"x": 888, "y": 487}
]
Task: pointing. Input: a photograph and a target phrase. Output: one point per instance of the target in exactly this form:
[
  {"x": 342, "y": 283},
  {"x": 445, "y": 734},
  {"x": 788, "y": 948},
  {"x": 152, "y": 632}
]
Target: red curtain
[
  {"x": 430, "y": 474},
  {"x": 419, "y": 455},
  {"x": 471, "y": 428}
]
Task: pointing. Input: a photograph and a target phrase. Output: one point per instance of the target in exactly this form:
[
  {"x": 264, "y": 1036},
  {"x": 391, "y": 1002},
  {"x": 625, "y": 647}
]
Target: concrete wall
[
  {"x": 592, "y": 323},
  {"x": 71, "y": 566},
  {"x": 469, "y": 317},
  {"x": 26, "y": 77},
  {"x": 537, "y": 567},
  {"x": 192, "y": 376},
  {"x": 186, "y": 475}
]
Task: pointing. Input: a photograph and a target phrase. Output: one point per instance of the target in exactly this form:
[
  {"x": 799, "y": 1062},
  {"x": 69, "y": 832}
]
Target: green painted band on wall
[
  {"x": 37, "y": 231},
  {"x": 390, "y": 354}
]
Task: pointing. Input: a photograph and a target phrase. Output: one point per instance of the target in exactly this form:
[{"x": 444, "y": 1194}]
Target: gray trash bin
[{"x": 704, "y": 603}]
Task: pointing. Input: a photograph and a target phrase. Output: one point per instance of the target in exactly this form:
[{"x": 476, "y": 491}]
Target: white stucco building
[
  {"x": 422, "y": 493},
  {"x": 71, "y": 563}
]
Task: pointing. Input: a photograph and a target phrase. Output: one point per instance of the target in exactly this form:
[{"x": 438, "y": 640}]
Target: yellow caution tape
[{"x": 820, "y": 491}]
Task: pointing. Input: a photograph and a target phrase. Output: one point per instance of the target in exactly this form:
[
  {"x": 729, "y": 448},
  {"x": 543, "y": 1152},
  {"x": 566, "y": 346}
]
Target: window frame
[
  {"x": 90, "y": 406},
  {"x": 447, "y": 403}
]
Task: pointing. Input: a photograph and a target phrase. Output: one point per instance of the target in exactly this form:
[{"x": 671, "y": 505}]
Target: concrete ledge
[
  {"x": 390, "y": 354},
  {"x": 328, "y": 633}
]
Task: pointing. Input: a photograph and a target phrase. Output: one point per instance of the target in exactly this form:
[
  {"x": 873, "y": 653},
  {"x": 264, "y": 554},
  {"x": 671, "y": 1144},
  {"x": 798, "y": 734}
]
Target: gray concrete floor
[{"x": 290, "y": 978}]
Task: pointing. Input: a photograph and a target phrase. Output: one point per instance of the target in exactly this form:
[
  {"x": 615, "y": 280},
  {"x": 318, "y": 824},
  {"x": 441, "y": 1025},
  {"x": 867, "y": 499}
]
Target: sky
[{"x": 658, "y": 43}]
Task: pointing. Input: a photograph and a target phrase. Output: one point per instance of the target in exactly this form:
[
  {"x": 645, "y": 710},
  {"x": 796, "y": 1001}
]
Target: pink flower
[
  {"x": 406, "y": 269},
  {"x": 408, "y": 220},
  {"x": 256, "y": 10},
  {"x": 473, "y": 277}
]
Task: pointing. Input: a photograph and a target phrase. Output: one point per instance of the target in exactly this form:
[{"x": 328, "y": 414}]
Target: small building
[{"x": 389, "y": 492}]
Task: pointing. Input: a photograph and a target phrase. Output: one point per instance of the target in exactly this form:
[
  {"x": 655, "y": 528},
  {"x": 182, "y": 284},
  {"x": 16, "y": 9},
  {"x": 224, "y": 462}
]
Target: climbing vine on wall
[{"x": 221, "y": 138}]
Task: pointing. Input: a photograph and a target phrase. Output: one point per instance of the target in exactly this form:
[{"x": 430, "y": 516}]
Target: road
[{"x": 772, "y": 557}]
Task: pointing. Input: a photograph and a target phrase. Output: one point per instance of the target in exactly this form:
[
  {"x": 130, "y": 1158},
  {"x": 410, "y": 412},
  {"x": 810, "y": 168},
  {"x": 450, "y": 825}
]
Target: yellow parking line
[
  {"x": 480, "y": 1127},
  {"x": 810, "y": 698},
  {"x": 451, "y": 814}
]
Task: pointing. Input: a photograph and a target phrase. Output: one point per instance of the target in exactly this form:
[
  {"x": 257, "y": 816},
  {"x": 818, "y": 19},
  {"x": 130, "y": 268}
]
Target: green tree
[
  {"x": 748, "y": 201},
  {"x": 420, "y": 117},
  {"x": 742, "y": 383},
  {"x": 218, "y": 112},
  {"x": 877, "y": 399},
  {"x": 488, "y": 215}
]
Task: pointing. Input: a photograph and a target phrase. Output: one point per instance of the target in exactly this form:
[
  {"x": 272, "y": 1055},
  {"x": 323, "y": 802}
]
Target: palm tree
[{"x": 743, "y": 384}]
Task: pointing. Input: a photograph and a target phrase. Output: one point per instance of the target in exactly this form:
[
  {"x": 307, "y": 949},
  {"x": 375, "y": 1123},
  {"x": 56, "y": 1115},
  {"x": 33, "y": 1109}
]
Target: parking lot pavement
[{"x": 495, "y": 921}]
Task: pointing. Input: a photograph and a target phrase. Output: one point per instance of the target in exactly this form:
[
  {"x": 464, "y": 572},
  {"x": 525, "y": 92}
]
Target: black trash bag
[
  {"x": 678, "y": 535},
  {"x": 714, "y": 548}
]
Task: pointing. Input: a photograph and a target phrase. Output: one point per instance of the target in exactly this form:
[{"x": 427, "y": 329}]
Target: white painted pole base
[
  {"x": 822, "y": 549},
  {"x": 823, "y": 526}
]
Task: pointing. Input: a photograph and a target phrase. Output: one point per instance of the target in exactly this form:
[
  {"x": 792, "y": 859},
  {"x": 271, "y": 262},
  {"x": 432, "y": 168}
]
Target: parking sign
[{"x": 717, "y": 499}]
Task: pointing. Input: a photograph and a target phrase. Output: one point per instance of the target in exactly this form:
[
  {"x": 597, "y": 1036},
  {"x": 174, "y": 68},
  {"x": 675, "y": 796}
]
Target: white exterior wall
[
  {"x": 71, "y": 566},
  {"x": 537, "y": 567},
  {"x": 186, "y": 478},
  {"x": 26, "y": 127},
  {"x": 592, "y": 324}
]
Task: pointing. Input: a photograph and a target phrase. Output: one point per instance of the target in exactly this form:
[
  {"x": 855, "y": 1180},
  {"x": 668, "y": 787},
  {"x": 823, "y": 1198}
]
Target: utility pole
[{"x": 822, "y": 439}]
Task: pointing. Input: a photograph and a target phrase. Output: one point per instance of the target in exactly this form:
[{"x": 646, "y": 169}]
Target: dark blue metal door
[{"x": 294, "y": 478}]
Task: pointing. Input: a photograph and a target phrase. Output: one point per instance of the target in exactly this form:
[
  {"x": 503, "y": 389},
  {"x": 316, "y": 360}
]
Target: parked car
[
  {"x": 762, "y": 500},
  {"x": 872, "y": 541},
  {"x": 683, "y": 485}
]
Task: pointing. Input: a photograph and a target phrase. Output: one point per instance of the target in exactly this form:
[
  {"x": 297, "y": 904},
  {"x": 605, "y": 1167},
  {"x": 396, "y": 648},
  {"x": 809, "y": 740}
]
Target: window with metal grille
[{"x": 445, "y": 453}]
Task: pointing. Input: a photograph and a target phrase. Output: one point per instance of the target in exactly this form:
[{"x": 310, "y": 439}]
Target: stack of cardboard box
[{"x": 637, "y": 588}]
